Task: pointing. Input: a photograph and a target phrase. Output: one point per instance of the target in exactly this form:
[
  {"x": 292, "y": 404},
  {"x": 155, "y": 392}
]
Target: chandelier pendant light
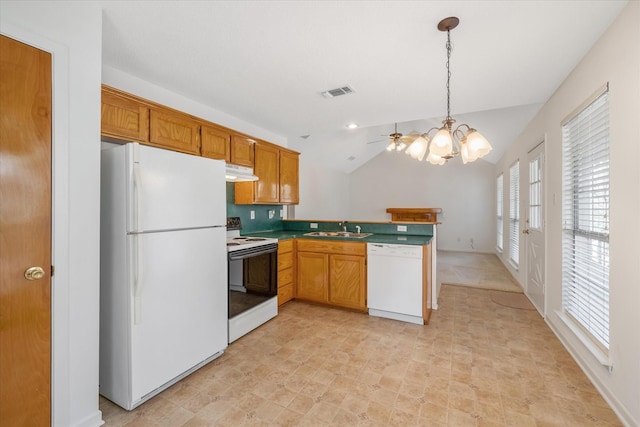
[{"x": 448, "y": 142}]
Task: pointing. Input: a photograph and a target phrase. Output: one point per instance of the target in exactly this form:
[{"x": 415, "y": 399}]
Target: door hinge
[{"x": 53, "y": 269}]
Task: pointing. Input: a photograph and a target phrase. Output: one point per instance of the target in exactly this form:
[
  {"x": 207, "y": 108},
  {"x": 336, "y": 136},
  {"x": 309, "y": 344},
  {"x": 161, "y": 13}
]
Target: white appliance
[
  {"x": 253, "y": 280},
  {"x": 235, "y": 173},
  {"x": 163, "y": 280},
  {"x": 394, "y": 282}
]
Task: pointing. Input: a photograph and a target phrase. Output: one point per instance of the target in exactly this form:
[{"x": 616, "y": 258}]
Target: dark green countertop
[{"x": 399, "y": 239}]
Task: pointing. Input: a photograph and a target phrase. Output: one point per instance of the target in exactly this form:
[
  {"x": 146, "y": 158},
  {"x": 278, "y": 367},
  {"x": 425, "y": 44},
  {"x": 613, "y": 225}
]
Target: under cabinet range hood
[{"x": 235, "y": 173}]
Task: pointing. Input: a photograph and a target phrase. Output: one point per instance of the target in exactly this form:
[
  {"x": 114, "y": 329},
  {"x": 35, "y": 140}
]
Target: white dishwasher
[{"x": 394, "y": 281}]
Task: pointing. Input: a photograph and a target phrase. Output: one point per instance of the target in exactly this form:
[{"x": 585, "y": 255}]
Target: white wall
[
  {"x": 615, "y": 58},
  {"x": 72, "y": 32},
  {"x": 466, "y": 194},
  {"x": 137, "y": 86},
  {"x": 324, "y": 192}
]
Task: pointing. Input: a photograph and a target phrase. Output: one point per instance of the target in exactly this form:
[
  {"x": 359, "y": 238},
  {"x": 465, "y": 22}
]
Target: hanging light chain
[{"x": 448, "y": 74}]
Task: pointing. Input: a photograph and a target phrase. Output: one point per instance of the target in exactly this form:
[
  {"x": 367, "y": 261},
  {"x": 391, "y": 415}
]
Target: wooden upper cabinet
[
  {"x": 242, "y": 151},
  {"x": 277, "y": 171},
  {"x": 267, "y": 170},
  {"x": 122, "y": 117},
  {"x": 175, "y": 131},
  {"x": 289, "y": 177},
  {"x": 215, "y": 143},
  {"x": 429, "y": 215}
]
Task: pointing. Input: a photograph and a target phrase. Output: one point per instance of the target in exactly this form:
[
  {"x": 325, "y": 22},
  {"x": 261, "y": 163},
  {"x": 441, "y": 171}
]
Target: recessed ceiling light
[{"x": 352, "y": 125}]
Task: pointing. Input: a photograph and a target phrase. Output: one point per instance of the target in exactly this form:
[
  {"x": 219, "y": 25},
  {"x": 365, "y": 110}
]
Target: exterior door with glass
[{"x": 534, "y": 230}]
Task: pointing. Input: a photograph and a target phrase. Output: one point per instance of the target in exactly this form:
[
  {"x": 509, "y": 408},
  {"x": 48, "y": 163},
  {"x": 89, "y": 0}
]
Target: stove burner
[
  {"x": 232, "y": 244},
  {"x": 240, "y": 238},
  {"x": 256, "y": 239}
]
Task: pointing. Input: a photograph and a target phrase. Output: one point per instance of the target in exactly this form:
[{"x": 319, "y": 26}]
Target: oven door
[{"x": 259, "y": 269}]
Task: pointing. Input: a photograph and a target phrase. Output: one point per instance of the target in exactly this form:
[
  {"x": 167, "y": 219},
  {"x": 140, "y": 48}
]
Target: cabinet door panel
[
  {"x": 347, "y": 281},
  {"x": 124, "y": 118},
  {"x": 312, "y": 276},
  {"x": 266, "y": 168},
  {"x": 174, "y": 131},
  {"x": 289, "y": 178},
  {"x": 216, "y": 143},
  {"x": 242, "y": 151}
]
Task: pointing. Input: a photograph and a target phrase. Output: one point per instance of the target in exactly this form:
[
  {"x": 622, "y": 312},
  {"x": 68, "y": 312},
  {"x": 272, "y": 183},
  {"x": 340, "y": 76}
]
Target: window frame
[
  {"x": 514, "y": 214},
  {"x": 500, "y": 212},
  {"x": 586, "y": 178}
]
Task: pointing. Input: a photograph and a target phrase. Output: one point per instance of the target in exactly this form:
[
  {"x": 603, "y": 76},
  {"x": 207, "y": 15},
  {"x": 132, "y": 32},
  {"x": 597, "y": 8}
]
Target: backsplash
[{"x": 261, "y": 221}]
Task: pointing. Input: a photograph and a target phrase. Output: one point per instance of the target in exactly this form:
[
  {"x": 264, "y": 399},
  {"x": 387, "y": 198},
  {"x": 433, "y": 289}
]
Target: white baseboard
[{"x": 609, "y": 397}]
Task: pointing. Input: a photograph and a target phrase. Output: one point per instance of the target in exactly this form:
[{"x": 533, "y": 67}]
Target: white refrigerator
[{"x": 163, "y": 279}]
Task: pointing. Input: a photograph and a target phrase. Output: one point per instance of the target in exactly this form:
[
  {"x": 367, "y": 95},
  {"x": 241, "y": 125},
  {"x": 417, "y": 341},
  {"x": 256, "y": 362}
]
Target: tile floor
[{"x": 476, "y": 364}]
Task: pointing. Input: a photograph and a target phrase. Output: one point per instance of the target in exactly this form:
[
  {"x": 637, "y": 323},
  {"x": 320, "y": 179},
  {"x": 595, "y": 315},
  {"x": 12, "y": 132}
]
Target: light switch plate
[
  {"x": 402, "y": 228},
  {"x": 313, "y": 225},
  {"x": 253, "y": 214}
]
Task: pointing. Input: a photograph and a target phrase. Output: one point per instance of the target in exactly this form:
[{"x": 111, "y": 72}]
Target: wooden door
[
  {"x": 216, "y": 143},
  {"x": 174, "y": 131},
  {"x": 289, "y": 178},
  {"x": 347, "y": 284},
  {"x": 312, "y": 278},
  {"x": 25, "y": 234},
  {"x": 266, "y": 168}
]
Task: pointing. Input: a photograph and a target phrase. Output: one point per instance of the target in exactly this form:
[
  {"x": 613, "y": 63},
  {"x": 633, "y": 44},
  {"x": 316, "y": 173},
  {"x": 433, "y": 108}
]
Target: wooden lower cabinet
[
  {"x": 332, "y": 272},
  {"x": 285, "y": 271}
]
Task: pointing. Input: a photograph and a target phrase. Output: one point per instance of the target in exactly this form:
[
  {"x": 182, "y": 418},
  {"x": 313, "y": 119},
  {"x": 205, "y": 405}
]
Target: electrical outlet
[
  {"x": 282, "y": 213},
  {"x": 253, "y": 214},
  {"x": 402, "y": 228},
  {"x": 313, "y": 225},
  {"x": 272, "y": 213}
]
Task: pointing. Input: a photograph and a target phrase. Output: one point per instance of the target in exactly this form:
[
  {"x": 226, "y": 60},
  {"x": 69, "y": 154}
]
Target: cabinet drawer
[
  {"x": 285, "y": 246},
  {"x": 285, "y": 294},
  {"x": 285, "y": 277},
  {"x": 285, "y": 260},
  {"x": 332, "y": 247}
]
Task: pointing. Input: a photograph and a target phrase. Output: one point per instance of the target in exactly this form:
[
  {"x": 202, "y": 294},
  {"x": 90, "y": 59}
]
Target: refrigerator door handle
[
  {"x": 137, "y": 198},
  {"x": 137, "y": 280}
]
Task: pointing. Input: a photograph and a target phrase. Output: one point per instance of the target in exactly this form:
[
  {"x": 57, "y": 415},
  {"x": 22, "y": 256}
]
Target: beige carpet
[
  {"x": 511, "y": 300},
  {"x": 476, "y": 270}
]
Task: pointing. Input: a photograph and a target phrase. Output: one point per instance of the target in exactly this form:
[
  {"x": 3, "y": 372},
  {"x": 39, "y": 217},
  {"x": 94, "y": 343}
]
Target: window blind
[
  {"x": 499, "y": 211},
  {"x": 514, "y": 213},
  {"x": 585, "y": 216}
]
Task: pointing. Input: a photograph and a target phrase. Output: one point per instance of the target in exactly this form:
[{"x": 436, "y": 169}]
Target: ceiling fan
[{"x": 397, "y": 141}]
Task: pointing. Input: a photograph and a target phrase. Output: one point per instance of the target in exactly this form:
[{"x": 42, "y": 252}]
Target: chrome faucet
[
  {"x": 358, "y": 228},
  {"x": 343, "y": 224}
]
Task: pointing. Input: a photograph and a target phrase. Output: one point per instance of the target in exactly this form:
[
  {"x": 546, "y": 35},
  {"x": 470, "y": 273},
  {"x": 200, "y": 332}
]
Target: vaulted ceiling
[{"x": 267, "y": 62}]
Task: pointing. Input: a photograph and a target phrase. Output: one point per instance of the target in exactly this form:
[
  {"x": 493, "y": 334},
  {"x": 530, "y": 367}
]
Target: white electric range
[{"x": 253, "y": 280}]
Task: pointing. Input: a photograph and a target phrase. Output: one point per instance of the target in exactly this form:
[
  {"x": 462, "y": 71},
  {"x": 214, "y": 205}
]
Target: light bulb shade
[
  {"x": 441, "y": 144},
  {"x": 434, "y": 159},
  {"x": 401, "y": 146},
  {"x": 418, "y": 148},
  {"x": 391, "y": 146},
  {"x": 464, "y": 153},
  {"x": 478, "y": 146}
]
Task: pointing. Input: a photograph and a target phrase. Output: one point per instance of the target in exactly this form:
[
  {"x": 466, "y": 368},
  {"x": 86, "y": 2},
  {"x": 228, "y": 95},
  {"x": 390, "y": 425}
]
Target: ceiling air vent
[{"x": 332, "y": 93}]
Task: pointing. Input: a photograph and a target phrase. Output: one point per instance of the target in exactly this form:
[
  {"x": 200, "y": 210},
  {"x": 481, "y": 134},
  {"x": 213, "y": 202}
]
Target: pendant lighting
[{"x": 447, "y": 141}]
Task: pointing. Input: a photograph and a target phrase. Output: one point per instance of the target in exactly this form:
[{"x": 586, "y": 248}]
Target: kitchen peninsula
[{"x": 329, "y": 261}]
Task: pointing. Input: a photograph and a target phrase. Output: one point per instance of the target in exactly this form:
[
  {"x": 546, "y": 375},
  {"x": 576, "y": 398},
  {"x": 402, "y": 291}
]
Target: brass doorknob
[{"x": 34, "y": 273}]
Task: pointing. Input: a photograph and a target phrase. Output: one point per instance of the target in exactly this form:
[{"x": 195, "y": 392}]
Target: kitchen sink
[{"x": 346, "y": 234}]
